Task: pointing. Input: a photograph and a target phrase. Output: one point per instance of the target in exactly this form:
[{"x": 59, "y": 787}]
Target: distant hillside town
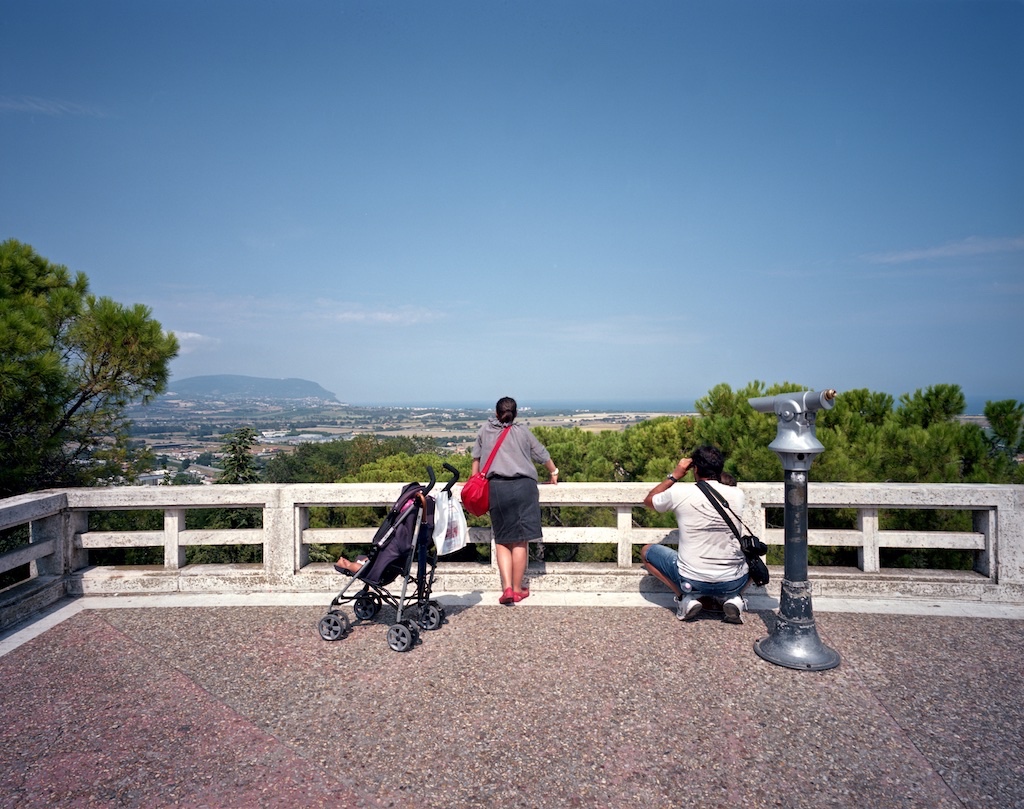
[{"x": 185, "y": 428}]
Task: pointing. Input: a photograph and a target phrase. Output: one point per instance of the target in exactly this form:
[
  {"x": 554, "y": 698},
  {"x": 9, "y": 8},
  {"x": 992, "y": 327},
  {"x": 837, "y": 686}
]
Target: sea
[
  {"x": 566, "y": 406},
  {"x": 975, "y": 405}
]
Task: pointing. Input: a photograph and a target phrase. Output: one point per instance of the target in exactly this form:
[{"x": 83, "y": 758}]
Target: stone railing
[{"x": 60, "y": 539}]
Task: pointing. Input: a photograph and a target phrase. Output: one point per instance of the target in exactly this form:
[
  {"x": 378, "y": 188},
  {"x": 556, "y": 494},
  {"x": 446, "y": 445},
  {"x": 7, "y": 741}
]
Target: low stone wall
[{"x": 60, "y": 541}]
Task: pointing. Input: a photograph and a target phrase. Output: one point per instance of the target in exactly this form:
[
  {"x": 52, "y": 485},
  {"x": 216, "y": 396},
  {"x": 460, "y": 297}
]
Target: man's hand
[
  {"x": 678, "y": 473},
  {"x": 684, "y": 466}
]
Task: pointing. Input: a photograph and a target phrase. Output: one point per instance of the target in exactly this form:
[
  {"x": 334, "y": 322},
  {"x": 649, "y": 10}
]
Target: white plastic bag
[{"x": 450, "y": 529}]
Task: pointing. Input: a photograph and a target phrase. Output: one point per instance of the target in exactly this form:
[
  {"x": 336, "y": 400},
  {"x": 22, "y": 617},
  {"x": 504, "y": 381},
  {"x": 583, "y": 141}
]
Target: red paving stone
[{"x": 509, "y": 707}]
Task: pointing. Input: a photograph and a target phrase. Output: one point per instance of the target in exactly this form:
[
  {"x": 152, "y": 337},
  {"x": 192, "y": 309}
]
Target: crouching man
[{"x": 710, "y": 561}]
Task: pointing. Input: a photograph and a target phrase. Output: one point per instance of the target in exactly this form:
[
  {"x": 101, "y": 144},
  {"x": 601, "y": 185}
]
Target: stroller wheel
[
  {"x": 431, "y": 616},
  {"x": 334, "y": 626},
  {"x": 402, "y": 637},
  {"x": 366, "y": 606}
]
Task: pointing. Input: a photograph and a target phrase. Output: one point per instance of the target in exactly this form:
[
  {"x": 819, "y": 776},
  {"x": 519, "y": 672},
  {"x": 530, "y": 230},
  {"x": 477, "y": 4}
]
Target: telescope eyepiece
[{"x": 788, "y": 405}]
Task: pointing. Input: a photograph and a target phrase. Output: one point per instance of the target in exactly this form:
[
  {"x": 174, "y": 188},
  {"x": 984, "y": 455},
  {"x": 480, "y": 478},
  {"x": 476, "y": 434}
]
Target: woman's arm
[{"x": 550, "y": 466}]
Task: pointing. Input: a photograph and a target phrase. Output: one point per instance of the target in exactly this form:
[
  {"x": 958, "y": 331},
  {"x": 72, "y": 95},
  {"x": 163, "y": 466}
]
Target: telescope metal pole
[
  {"x": 793, "y": 641},
  {"x": 795, "y": 522}
]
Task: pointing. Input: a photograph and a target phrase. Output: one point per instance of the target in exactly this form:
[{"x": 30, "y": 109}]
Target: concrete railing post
[
  {"x": 867, "y": 555},
  {"x": 281, "y": 537},
  {"x": 624, "y": 525},
  {"x": 75, "y": 557},
  {"x": 174, "y": 551},
  {"x": 1010, "y": 542},
  {"x": 984, "y": 522},
  {"x": 301, "y": 550},
  {"x": 49, "y": 529}
]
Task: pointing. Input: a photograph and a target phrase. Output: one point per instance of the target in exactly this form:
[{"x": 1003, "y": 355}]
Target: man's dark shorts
[{"x": 666, "y": 561}]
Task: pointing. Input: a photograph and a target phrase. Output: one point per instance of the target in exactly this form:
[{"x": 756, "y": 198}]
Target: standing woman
[{"x": 514, "y": 498}]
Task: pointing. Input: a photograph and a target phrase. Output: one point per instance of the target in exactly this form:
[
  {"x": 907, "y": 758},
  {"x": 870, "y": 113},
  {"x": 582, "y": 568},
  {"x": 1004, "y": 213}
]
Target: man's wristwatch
[{"x": 673, "y": 478}]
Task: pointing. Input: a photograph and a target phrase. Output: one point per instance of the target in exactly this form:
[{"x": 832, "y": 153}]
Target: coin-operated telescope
[{"x": 794, "y": 641}]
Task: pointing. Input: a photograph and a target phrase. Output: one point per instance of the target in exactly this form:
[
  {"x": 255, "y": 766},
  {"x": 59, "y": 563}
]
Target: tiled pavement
[{"x": 561, "y": 701}]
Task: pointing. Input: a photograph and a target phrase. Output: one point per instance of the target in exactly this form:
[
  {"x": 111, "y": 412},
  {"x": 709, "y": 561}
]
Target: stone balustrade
[{"x": 60, "y": 539}]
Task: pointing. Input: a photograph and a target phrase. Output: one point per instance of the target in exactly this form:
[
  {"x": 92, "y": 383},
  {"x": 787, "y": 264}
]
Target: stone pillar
[
  {"x": 1009, "y": 542},
  {"x": 280, "y": 536},
  {"x": 48, "y": 529},
  {"x": 867, "y": 554},
  {"x": 174, "y": 551},
  {"x": 301, "y": 550},
  {"x": 624, "y": 523},
  {"x": 985, "y": 523},
  {"x": 75, "y": 557}
]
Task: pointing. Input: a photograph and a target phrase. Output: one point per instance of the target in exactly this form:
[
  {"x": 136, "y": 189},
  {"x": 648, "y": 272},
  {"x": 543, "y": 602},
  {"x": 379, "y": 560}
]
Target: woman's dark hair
[
  {"x": 505, "y": 409},
  {"x": 709, "y": 462}
]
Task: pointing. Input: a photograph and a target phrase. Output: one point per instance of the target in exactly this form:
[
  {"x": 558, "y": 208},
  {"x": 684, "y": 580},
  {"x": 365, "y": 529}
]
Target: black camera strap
[
  {"x": 757, "y": 569},
  {"x": 718, "y": 501}
]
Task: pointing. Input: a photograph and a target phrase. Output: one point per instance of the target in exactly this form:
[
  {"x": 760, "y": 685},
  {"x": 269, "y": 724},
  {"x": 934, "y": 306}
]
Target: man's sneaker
[
  {"x": 687, "y": 607},
  {"x": 733, "y": 609}
]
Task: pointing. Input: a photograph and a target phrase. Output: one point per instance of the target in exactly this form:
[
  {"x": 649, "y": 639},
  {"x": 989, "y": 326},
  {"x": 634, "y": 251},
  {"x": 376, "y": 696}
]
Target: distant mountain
[{"x": 232, "y": 386}]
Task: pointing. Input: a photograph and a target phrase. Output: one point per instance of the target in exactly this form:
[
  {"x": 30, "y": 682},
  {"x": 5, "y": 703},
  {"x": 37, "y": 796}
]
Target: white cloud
[
  {"x": 189, "y": 342},
  {"x": 206, "y": 311},
  {"x": 968, "y": 247},
  {"x": 48, "y": 106},
  {"x": 358, "y": 314}
]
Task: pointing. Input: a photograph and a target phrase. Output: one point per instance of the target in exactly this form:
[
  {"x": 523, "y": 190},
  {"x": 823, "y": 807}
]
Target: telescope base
[{"x": 794, "y": 640}]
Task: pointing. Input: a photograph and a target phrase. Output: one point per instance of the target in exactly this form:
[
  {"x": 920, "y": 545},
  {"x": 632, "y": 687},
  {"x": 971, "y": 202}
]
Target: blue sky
[{"x": 568, "y": 200}]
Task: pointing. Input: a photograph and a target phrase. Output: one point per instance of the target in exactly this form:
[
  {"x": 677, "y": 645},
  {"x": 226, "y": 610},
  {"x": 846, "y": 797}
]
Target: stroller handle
[
  {"x": 433, "y": 479},
  {"x": 455, "y": 477}
]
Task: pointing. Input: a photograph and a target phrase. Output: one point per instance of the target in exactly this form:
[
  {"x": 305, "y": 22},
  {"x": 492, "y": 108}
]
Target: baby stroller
[{"x": 405, "y": 535}]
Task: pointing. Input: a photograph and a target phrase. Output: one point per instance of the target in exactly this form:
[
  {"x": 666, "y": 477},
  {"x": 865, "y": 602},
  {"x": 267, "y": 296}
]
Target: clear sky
[{"x": 564, "y": 200}]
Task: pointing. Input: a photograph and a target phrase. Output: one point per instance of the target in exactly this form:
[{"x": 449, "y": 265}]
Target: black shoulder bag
[{"x": 752, "y": 547}]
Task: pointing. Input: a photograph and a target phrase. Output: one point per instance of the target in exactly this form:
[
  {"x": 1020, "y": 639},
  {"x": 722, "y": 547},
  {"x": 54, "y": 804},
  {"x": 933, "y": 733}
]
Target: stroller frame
[{"x": 409, "y": 519}]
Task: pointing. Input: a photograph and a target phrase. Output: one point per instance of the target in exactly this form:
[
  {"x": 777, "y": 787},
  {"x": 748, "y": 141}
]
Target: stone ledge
[
  {"x": 551, "y": 577},
  {"x": 23, "y": 600}
]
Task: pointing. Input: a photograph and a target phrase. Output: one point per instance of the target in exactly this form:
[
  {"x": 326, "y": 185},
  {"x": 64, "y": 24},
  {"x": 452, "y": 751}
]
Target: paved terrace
[
  {"x": 209, "y": 685},
  {"x": 566, "y": 700}
]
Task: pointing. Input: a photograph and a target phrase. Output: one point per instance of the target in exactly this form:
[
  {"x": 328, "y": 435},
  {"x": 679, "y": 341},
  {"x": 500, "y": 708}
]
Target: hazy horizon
[{"x": 681, "y": 404}]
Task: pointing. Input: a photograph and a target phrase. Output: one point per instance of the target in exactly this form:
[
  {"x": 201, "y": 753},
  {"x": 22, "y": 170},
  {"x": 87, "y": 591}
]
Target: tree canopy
[
  {"x": 868, "y": 436},
  {"x": 334, "y": 461},
  {"x": 70, "y": 363},
  {"x": 239, "y": 464}
]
